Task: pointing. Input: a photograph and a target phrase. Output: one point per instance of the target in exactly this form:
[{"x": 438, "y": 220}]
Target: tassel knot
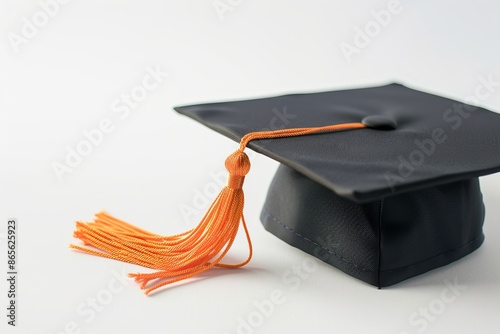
[{"x": 238, "y": 165}]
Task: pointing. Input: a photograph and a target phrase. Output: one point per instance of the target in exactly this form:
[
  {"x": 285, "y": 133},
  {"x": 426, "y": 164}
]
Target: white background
[{"x": 64, "y": 79}]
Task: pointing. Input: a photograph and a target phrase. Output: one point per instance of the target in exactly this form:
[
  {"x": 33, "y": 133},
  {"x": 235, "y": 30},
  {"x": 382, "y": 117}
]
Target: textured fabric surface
[{"x": 437, "y": 140}]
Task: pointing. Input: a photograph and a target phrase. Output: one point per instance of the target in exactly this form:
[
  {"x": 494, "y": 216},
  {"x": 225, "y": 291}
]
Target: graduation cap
[{"x": 380, "y": 182}]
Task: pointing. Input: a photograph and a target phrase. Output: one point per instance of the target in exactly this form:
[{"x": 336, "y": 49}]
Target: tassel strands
[{"x": 179, "y": 256}]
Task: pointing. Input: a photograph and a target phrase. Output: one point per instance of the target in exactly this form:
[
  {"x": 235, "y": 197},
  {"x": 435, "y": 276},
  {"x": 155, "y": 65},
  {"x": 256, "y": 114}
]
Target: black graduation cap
[{"x": 382, "y": 203}]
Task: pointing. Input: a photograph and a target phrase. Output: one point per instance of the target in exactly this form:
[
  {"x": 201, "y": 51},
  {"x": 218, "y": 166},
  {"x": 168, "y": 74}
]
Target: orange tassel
[{"x": 184, "y": 255}]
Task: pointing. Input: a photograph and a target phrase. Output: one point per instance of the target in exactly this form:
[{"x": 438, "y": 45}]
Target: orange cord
[{"x": 187, "y": 254}]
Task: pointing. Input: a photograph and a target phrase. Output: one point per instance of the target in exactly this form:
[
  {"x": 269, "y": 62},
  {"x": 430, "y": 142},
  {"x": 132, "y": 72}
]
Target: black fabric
[
  {"x": 383, "y": 203},
  {"x": 381, "y": 242},
  {"x": 368, "y": 164}
]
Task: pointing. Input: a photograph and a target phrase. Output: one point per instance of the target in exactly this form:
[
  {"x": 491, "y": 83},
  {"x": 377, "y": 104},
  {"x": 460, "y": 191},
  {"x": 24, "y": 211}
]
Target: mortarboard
[{"x": 380, "y": 182}]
